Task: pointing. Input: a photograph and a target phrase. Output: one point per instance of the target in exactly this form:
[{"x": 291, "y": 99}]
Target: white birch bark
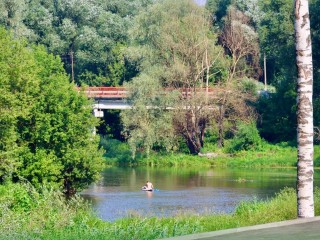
[{"x": 305, "y": 110}]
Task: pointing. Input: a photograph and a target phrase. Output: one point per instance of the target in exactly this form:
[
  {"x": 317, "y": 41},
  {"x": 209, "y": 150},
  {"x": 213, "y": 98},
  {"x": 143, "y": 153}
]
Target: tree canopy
[
  {"x": 174, "y": 44},
  {"x": 46, "y": 124},
  {"x": 174, "y": 49}
]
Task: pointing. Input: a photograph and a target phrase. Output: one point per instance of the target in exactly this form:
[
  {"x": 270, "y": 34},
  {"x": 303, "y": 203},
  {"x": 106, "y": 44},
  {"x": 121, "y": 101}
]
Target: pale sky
[{"x": 201, "y": 2}]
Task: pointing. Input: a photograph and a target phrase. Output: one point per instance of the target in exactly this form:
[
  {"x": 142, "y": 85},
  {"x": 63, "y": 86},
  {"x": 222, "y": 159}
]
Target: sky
[{"x": 201, "y": 2}]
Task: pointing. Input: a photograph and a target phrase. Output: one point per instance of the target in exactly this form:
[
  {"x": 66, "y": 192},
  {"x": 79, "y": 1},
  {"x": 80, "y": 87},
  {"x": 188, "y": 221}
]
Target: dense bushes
[
  {"x": 116, "y": 151},
  {"x": 246, "y": 138}
]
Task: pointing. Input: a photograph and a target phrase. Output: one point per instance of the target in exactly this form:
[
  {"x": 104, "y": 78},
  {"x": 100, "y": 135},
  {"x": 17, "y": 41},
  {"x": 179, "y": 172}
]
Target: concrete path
[{"x": 298, "y": 229}]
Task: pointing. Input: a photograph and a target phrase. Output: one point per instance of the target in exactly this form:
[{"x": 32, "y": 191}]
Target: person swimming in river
[{"x": 148, "y": 186}]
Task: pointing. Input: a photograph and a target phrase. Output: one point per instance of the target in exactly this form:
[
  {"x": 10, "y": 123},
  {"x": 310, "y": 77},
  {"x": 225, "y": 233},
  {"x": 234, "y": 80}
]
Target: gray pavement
[{"x": 298, "y": 229}]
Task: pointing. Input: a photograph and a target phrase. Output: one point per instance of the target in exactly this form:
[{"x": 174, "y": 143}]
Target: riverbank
[
  {"x": 270, "y": 156},
  {"x": 28, "y": 215}
]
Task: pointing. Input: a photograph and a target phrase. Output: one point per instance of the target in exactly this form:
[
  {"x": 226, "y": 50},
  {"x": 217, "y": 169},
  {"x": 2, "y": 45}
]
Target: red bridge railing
[
  {"x": 121, "y": 92},
  {"x": 105, "y": 92}
]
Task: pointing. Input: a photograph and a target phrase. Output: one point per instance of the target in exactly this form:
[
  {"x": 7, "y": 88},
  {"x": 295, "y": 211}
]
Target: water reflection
[
  {"x": 149, "y": 194},
  {"x": 183, "y": 190}
]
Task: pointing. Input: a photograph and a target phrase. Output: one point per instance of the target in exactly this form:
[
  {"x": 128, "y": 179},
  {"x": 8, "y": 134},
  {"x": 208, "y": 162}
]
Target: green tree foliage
[
  {"x": 19, "y": 82},
  {"x": 12, "y": 13},
  {"x": 218, "y": 9},
  {"x": 251, "y": 8},
  {"x": 274, "y": 20},
  {"x": 246, "y": 138},
  {"x": 278, "y": 114},
  {"x": 239, "y": 38},
  {"x": 148, "y": 123},
  {"x": 82, "y": 31},
  {"x": 174, "y": 46},
  {"x": 50, "y": 123},
  {"x": 86, "y": 34},
  {"x": 276, "y": 35}
]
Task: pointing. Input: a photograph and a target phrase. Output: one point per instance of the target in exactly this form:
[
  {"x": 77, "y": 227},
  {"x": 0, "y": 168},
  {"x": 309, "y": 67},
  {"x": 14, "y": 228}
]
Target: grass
[
  {"x": 280, "y": 155},
  {"x": 271, "y": 156},
  {"x": 174, "y": 160},
  {"x": 48, "y": 216}
]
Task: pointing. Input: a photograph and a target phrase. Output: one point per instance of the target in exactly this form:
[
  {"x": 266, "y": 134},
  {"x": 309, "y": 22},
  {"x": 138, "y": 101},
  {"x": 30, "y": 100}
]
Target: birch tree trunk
[{"x": 305, "y": 110}]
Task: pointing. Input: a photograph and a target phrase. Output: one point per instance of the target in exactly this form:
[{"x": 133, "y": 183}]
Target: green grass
[
  {"x": 174, "y": 160},
  {"x": 280, "y": 155},
  {"x": 49, "y": 216},
  {"x": 268, "y": 155},
  {"x": 271, "y": 156}
]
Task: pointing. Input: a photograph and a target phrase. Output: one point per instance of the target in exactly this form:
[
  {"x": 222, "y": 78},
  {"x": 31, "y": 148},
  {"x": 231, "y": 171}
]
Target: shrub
[
  {"x": 116, "y": 152},
  {"x": 249, "y": 85},
  {"x": 26, "y": 213},
  {"x": 246, "y": 138}
]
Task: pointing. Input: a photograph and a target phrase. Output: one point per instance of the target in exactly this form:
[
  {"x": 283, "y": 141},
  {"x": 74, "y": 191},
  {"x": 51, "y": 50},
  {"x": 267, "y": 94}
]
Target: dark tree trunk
[
  {"x": 221, "y": 126},
  {"x": 194, "y": 146},
  {"x": 69, "y": 190},
  {"x": 202, "y": 125},
  {"x": 194, "y": 132}
]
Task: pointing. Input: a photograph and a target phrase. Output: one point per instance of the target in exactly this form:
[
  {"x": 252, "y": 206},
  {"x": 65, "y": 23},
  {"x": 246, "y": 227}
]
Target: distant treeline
[{"x": 149, "y": 44}]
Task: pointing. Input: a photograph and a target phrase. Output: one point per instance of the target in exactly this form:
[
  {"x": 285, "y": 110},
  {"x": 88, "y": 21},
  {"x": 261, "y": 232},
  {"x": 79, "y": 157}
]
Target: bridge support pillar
[
  {"x": 98, "y": 113},
  {"x": 94, "y": 131}
]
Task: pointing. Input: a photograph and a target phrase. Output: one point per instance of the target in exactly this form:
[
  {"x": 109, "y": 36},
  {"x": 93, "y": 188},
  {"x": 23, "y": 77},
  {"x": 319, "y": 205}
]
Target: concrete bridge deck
[{"x": 298, "y": 229}]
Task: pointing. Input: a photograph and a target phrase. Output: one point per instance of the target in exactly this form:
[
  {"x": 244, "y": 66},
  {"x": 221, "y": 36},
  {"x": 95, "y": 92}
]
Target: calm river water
[{"x": 183, "y": 190}]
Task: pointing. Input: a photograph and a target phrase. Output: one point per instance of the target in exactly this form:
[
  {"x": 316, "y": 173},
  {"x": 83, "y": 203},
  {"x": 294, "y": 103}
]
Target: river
[{"x": 180, "y": 191}]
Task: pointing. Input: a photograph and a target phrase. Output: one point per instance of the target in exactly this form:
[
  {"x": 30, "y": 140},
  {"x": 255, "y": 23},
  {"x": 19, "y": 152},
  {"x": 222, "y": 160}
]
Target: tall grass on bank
[
  {"x": 24, "y": 211},
  {"x": 279, "y": 155},
  {"x": 27, "y": 214}
]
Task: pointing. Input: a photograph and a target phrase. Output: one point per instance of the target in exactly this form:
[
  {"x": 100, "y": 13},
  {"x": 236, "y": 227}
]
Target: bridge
[
  {"x": 107, "y": 98},
  {"x": 115, "y": 97}
]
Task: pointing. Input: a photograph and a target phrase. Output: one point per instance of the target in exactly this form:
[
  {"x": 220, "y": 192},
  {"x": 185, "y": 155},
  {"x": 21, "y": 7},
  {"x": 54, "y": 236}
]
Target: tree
[
  {"x": 276, "y": 34},
  {"x": 19, "y": 82},
  {"x": 12, "y": 13},
  {"x": 218, "y": 9},
  {"x": 174, "y": 45},
  {"x": 305, "y": 111},
  {"x": 46, "y": 125},
  {"x": 251, "y": 8},
  {"x": 148, "y": 123},
  {"x": 241, "y": 43},
  {"x": 60, "y": 148},
  {"x": 85, "y": 34}
]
